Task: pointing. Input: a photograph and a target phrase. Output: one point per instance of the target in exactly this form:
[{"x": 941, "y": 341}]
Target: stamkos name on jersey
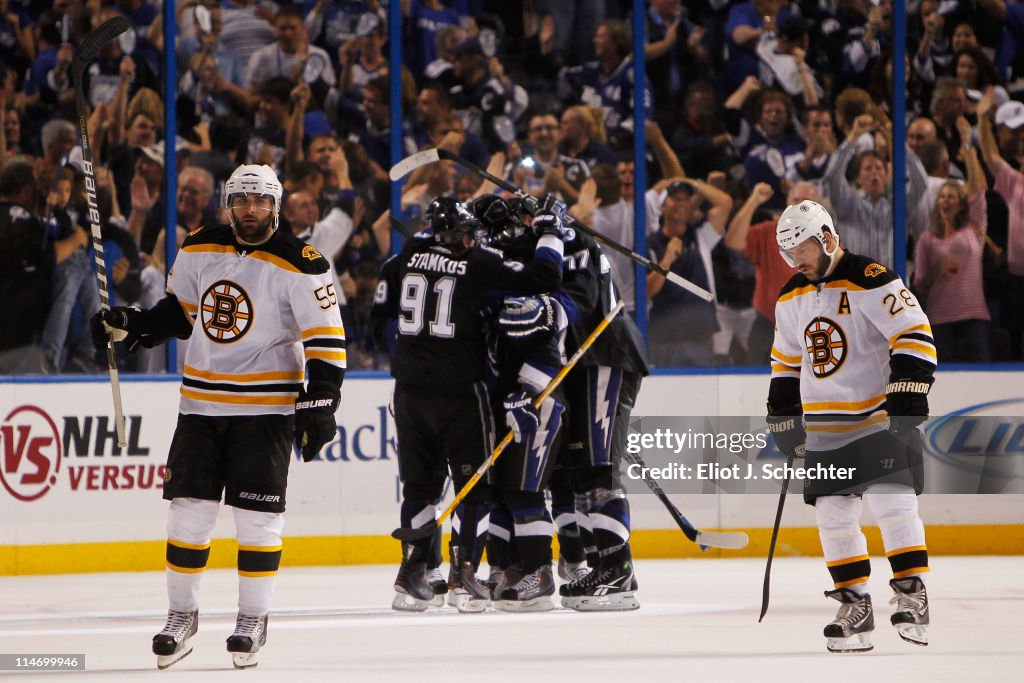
[{"x": 438, "y": 263}]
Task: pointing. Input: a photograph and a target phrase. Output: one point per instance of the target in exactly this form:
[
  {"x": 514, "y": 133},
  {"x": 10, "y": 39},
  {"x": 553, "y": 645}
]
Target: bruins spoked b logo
[
  {"x": 226, "y": 312},
  {"x": 826, "y": 345}
]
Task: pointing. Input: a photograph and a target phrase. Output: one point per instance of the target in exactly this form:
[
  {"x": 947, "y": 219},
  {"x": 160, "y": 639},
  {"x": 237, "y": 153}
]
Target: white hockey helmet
[
  {"x": 255, "y": 179},
  {"x": 801, "y": 222}
]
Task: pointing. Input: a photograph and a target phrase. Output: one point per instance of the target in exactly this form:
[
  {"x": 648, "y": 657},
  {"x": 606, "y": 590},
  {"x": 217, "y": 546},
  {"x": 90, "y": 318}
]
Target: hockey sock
[
  {"x": 609, "y": 519},
  {"x": 469, "y": 524},
  {"x": 563, "y": 509},
  {"x": 843, "y": 542},
  {"x": 895, "y": 509},
  {"x": 499, "y": 537},
  {"x": 259, "y": 556},
  {"x": 189, "y": 524},
  {"x": 586, "y": 529},
  {"x": 533, "y": 529},
  {"x": 415, "y": 514}
]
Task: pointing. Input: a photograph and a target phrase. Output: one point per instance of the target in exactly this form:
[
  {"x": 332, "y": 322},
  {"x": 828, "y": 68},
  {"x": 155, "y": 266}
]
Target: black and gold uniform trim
[
  {"x": 907, "y": 561},
  {"x": 256, "y": 561},
  {"x": 282, "y": 249},
  {"x": 187, "y": 558},
  {"x": 849, "y": 570}
]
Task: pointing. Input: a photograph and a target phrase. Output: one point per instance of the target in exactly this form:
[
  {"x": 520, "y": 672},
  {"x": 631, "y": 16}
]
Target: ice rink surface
[{"x": 698, "y": 622}]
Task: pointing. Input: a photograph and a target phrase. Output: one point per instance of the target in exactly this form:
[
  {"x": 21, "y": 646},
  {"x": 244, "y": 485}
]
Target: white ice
[{"x": 698, "y": 622}]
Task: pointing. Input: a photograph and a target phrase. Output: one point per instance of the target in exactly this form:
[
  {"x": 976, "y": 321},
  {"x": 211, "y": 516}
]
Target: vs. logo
[{"x": 30, "y": 453}]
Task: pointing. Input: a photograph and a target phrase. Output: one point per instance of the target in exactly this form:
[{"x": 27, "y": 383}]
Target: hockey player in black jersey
[
  {"x": 263, "y": 371},
  {"x": 601, "y": 392},
  {"x": 428, "y": 307},
  {"x": 852, "y": 364}
]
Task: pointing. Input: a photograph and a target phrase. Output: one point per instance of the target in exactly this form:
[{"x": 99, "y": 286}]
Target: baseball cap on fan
[
  {"x": 1010, "y": 114},
  {"x": 368, "y": 23},
  {"x": 678, "y": 186},
  {"x": 152, "y": 152}
]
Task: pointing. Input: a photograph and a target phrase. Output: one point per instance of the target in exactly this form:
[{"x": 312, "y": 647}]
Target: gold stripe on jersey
[
  {"x": 846, "y": 427},
  {"x": 925, "y": 329},
  {"x": 266, "y": 257},
  {"x": 245, "y": 377},
  {"x": 845, "y": 406},
  {"x": 781, "y": 370},
  {"x": 809, "y": 289},
  {"x": 791, "y": 361},
  {"x": 920, "y": 348},
  {"x": 323, "y": 332},
  {"x": 336, "y": 355},
  {"x": 239, "y": 399}
]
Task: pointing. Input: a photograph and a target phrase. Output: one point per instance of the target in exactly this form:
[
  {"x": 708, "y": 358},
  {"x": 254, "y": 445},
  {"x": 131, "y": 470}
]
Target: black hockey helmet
[
  {"x": 450, "y": 220},
  {"x": 500, "y": 220}
]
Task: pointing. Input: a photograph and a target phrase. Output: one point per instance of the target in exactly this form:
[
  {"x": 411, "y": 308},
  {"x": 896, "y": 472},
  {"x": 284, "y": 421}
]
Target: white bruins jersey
[
  {"x": 259, "y": 313},
  {"x": 838, "y": 337}
]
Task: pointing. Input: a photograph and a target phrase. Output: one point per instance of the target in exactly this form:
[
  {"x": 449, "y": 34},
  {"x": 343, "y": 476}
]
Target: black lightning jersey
[
  {"x": 435, "y": 299},
  {"x": 587, "y": 280}
]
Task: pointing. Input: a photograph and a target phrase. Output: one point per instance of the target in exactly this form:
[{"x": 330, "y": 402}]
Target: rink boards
[{"x": 71, "y": 501}]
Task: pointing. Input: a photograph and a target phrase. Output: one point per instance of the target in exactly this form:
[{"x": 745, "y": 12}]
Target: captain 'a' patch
[
  {"x": 826, "y": 345},
  {"x": 226, "y": 312},
  {"x": 844, "y": 304}
]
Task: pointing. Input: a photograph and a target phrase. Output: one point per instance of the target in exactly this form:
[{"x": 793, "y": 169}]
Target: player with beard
[
  {"x": 854, "y": 360},
  {"x": 263, "y": 371}
]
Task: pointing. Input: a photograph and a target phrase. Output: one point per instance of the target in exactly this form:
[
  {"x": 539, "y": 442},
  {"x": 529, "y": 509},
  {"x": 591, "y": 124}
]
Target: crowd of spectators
[{"x": 752, "y": 105}]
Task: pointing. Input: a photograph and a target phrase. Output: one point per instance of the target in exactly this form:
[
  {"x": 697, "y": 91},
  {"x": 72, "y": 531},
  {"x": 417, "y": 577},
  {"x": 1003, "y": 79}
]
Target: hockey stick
[
  {"x": 408, "y": 535},
  {"x": 766, "y": 589},
  {"x": 730, "y": 540},
  {"x": 90, "y": 47},
  {"x": 429, "y": 156}
]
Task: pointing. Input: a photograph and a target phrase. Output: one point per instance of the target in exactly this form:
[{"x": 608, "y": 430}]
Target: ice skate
[
  {"x": 435, "y": 579},
  {"x": 413, "y": 593},
  {"x": 532, "y": 593},
  {"x": 571, "y": 571},
  {"x": 911, "y": 616},
  {"x": 851, "y": 630},
  {"x": 174, "y": 642},
  {"x": 609, "y": 588},
  {"x": 244, "y": 644},
  {"x": 502, "y": 578},
  {"x": 466, "y": 593}
]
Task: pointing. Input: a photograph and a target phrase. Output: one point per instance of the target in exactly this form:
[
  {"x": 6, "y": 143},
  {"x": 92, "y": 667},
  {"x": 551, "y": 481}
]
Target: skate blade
[
  {"x": 184, "y": 650},
  {"x": 245, "y": 660},
  {"x": 616, "y": 602},
  {"x": 860, "y": 642},
  {"x": 437, "y": 600},
  {"x": 465, "y": 603},
  {"x": 914, "y": 634},
  {"x": 403, "y": 602},
  {"x": 541, "y": 604}
]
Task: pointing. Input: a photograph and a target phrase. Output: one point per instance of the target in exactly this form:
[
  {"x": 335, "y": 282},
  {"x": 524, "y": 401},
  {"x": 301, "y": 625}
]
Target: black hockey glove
[
  {"x": 906, "y": 401},
  {"x": 549, "y": 203},
  {"x": 787, "y": 426},
  {"x": 120, "y": 324},
  {"x": 520, "y": 415},
  {"x": 315, "y": 425}
]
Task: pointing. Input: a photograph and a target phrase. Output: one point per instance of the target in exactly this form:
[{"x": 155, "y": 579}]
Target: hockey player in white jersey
[
  {"x": 263, "y": 370},
  {"x": 853, "y": 355}
]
